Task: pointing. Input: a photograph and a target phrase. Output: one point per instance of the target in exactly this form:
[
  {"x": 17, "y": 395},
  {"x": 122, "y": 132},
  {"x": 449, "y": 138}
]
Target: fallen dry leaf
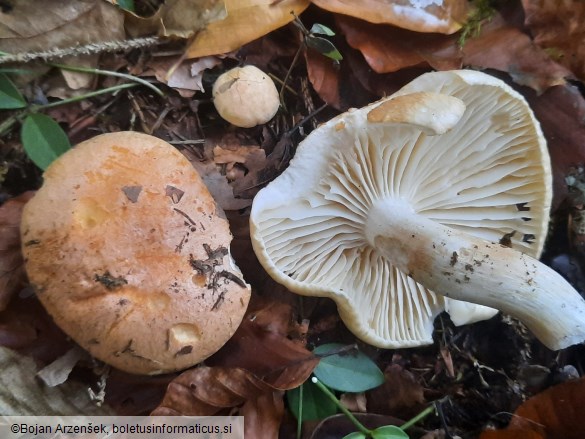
[
  {"x": 26, "y": 27},
  {"x": 246, "y": 21},
  {"x": 263, "y": 415},
  {"x": 558, "y": 28},
  {"x": 443, "y": 16},
  {"x": 217, "y": 184},
  {"x": 400, "y": 395},
  {"x": 12, "y": 274},
  {"x": 251, "y": 371},
  {"x": 325, "y": 77},
  {"x": 26, "y": 327},
  {"x": 177, "y": 18},
  {"x": 186, "y": 78},
  {"x": 506, "y": 48},
  {"x": 556, "y": 413},
  {"x": 389, "y": 49},
  {"x": 259, "y": 347},
  {"x": 561, "y": 113}
]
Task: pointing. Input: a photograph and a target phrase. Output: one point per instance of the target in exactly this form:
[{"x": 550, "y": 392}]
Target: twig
[
  {"x": 87, "y": 49},
  {"x": 109, "y": 73},
  {"x": 12, "y": 120}
]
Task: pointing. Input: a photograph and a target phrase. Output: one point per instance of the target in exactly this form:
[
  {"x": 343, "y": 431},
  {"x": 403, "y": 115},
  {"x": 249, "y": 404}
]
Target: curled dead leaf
[
  {"x": 246, "y": 21},
  {"x": 250, "y": 371},
  {"x": 555, "y": 413}
]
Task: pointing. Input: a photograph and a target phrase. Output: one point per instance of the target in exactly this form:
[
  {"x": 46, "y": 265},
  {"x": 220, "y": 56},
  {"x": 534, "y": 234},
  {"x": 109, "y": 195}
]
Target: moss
[{"x": 481, "y": 11}]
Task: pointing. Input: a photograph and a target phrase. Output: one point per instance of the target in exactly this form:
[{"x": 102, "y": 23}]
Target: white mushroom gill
[{"x": 344, "y": 220}]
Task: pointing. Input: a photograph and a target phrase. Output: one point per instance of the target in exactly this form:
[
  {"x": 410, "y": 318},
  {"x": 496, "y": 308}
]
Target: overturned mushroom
[
  {"x": 130, "y": 255},
  {"x": 383, "y": 207},
  {"x": 245, "y": 96}
]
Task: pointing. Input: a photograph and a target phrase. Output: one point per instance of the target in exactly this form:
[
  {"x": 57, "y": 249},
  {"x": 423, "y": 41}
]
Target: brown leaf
[
  {"x": 246, "y": 21},
  {"x": 324, "y": 76},
  {"x": 177, "y": 18},
  {"x": 400, "y": 395},
  {"x": 204, "y": 391},
  {"x": 556, "y": 413},
  {"x": 507, "y": 49},
  {"x": 558, "y": 27},
  {"x": 444, "y": 16},
  {"x": 26, "y": 327},
  {"x": 261, "y": 347},
  {"x": 389, "y": 49},
  {"x": 561, "y": 113},
  {"x": 263, "y": 415},
  {"x": 251, "y": 371},
  {"x": 12, "y": 274},
  {"x": 27, "y": 27}
]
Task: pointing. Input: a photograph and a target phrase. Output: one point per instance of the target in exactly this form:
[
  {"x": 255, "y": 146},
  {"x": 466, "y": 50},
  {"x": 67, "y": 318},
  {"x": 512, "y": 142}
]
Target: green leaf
[
  {"x": 322, "y": 30},
  {"x": 10, "y": 97},
  {"x": 316, "y": 405},
  {"x": 355, "y": 435},
  {"x": 389, "y": 432},
  {"x": 126, "y": 4},
  {"x": 347, "y": 372},
  {"x": 43, "y": 139},
  {"x": 324, "y": 47}
]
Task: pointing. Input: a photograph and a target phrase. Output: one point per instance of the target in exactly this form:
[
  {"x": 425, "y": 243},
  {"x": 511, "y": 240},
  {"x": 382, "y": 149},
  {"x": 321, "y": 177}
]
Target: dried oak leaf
[
  {"x": 389, "y": 49},
  {"x": 12, "y": 274},
  {"x": 251, "y": 371},
  {"x": 246, "y": 21},
  {"x": 443, "y": 16},
  {"x": 506, "y": 48},
  {"x": 558, "y": 28},
  {"x": 556, "y": 413},
  {"x": 266, "y": 353},
  {"x": 177, "y": 18}
]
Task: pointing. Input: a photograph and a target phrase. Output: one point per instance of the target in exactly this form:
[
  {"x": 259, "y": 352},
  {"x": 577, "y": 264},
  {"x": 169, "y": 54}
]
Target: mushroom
[
  {"x": 443, "y": 16},
  {"x": 245, "y": 96},
  {"x": 129, "y": 254},
  {"x": 393, "y": 213}
]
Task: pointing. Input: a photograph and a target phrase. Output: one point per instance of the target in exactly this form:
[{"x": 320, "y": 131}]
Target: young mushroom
[
  {"x": 129, "y": 253},
  {"x": 396, "y": 209},
  {"x": 245, "y": 96}
]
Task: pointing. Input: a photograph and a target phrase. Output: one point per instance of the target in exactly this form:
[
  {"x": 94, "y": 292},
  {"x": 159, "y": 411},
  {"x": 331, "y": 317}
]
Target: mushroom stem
[{"x": 463, "y": 267}]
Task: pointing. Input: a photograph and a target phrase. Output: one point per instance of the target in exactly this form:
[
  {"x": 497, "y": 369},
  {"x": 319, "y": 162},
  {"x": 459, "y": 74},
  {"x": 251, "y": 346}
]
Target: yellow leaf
[{"x": 246, "y": 21}]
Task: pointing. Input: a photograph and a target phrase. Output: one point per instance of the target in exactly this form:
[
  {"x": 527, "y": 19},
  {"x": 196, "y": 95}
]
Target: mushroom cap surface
[
  {"x": 443, "y": 16},
  {"x": 129, "y": 253},
  {"x": 245, "y": 96},
  {"x": 489, "y": 176}
]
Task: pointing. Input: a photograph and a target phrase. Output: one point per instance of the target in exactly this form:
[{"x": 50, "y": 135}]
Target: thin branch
[{"x": 87, "y": 49}]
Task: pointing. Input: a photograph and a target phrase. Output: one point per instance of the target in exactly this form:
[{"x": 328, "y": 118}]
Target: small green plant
[
  {"x": 482, "y": 11},
  {"x": 312, "y": 38},
  {"x": 42, "y": 138},
  {"x": 344, "y": 369}
]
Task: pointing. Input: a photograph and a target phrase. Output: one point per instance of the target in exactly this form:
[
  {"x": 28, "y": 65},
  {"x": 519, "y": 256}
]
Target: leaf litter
[{"x": 483, "y": 369}]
